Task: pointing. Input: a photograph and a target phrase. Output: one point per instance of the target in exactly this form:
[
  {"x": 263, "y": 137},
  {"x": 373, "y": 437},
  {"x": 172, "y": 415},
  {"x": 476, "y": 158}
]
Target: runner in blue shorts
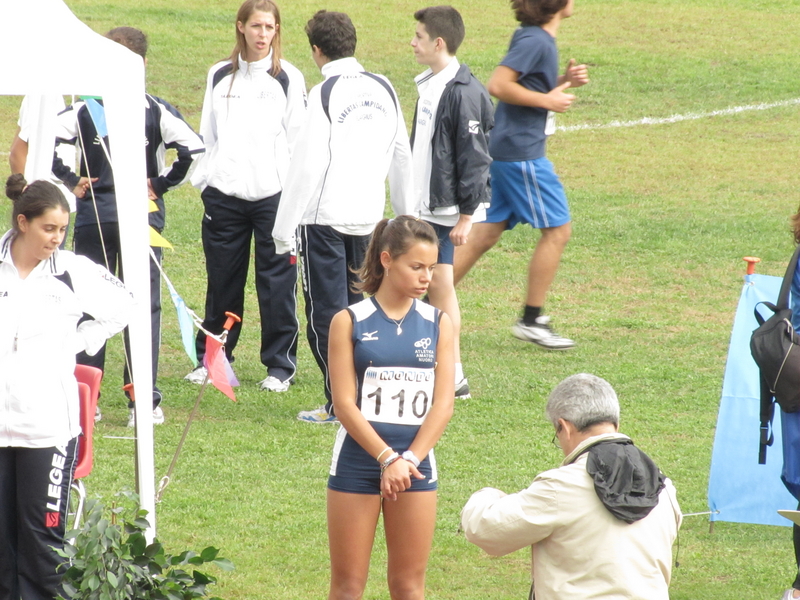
[
  {"x": 525, "y": 188},
  {"x": 391, "y": 371}
]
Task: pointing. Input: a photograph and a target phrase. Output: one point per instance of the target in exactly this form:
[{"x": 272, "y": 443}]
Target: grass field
[{"x": 648, "y": 287}]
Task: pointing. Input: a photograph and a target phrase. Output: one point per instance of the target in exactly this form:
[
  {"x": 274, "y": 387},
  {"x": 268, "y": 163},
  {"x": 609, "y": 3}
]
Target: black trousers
[
  {"x": 89, "y": 244},
  {"x": 329, "y": 258},
  {"x": 34, "y": 497},
  {"x": 229, "y": 223}
]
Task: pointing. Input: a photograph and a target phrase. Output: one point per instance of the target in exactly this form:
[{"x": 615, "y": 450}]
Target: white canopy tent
[{"x": 73, "y": 59}]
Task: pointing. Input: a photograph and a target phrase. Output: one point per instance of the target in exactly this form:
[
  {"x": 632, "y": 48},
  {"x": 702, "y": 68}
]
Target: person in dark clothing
[{"x": 96, "y": 222}]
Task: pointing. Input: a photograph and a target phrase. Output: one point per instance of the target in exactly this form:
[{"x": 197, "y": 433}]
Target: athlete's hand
[
  {"x": 83, "y": 186},
  {"x": 576, "y": 75},
  {"x": 151, "y": 193},
  {"x": 460, "y": 231},
  {"x": 397, "y": 478},
  {"x": 558, "y": 100}
]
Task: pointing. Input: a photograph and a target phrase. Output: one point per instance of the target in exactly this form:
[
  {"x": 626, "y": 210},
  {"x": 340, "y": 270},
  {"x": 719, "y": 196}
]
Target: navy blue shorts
[
  {"x": 527, "y": 192},
  {"x": 446, "y": 248},
  {"x": 354, "y": 471}
]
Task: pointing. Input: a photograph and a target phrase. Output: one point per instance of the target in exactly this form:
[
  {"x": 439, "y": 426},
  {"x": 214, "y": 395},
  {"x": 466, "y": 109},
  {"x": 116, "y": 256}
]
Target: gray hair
[{"x": 584, "y": 400}]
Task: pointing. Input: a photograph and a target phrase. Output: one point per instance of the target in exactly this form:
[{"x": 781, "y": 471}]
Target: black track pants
[
  {"x": 229, "y": 224},
  {"x": 34, "y": 497},
  {"x": 88, "y": 243},
  {"x": 328, "y": 258}
]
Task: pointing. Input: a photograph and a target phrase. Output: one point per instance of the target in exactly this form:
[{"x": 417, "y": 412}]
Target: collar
[
  {"x": 341, "y": 66},
  {"x": 265, "y": 64},
  {"x": 588, "y": 443},
  {"x": 5, "y": 254},
  {"x": 444, "y": 75}
]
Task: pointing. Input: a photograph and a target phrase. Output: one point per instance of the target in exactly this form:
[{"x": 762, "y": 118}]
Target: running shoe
[
  {"x": 158, "y": 416},
  {"x": 197, "y": 376},
  {"x": 273, "y": 384},
  {"x": 318, "y": 415},
  {"x": 462, "y": 389},
  {"x": 541, "y": 334}
]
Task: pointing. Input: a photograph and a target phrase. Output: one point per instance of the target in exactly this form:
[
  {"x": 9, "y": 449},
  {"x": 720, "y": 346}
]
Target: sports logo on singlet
[
  {"x": 397, "y": 395},
  {"x": 369, "y": 336},
  {"x": 423, "y": 350}
]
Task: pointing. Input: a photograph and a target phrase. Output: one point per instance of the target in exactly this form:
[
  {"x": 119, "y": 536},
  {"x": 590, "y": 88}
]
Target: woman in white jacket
[
  {"x": 43, "y": 293},
  {"x": 253, "y": 108}
]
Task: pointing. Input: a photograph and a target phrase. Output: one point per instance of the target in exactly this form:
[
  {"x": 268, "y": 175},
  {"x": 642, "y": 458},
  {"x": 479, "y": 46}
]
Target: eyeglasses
[{"x": 556, "y": 442}]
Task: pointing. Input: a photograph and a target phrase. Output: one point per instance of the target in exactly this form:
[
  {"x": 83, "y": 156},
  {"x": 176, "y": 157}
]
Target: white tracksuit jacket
[
  {"x": 249, "y": 128},
  {"x": 39, "y": 338},
  {"x": 354, "y": 136}
]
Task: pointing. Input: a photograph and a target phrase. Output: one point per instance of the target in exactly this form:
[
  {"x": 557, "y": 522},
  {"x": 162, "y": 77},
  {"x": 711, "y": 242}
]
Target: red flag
[{"x": 219, "y": 369}]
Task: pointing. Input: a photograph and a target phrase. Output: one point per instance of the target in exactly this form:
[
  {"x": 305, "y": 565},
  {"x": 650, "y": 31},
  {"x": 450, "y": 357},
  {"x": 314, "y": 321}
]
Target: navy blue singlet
[{"x": 395, "y": 370}]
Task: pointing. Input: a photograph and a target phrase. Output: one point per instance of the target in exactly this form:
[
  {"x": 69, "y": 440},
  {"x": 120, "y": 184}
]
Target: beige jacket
[{"x": 579, "y": 549}]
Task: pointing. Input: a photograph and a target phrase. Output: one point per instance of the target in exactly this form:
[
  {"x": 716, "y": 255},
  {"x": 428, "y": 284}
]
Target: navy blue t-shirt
[{"x": 518, "y": 132}]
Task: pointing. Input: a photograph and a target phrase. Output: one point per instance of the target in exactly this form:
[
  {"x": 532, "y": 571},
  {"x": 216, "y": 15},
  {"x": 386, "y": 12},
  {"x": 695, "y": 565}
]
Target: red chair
[{"x": 89, "y": 379}]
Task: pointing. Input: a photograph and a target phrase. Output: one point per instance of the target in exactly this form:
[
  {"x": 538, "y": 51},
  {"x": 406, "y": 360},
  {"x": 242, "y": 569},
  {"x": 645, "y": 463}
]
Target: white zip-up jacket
[
  {"x": 39, "y": 337},
  {"x": 354, "y": 136},
  {"x": 249, "y": 128}
]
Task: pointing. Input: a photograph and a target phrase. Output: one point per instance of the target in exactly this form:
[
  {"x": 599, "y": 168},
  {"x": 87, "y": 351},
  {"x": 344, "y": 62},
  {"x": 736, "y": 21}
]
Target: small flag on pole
[
  {"x": 98, "y": 115},
  {"x": 220, "y": 371}
]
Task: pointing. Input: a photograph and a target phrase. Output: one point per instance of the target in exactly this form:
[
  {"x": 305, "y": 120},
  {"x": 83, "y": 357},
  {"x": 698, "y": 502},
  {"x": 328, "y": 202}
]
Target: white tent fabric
[{"x": 73, "y": 59}]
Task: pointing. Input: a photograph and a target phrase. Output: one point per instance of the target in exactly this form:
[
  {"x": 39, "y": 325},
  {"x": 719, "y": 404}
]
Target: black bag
[{"x": 776, "y": 350}]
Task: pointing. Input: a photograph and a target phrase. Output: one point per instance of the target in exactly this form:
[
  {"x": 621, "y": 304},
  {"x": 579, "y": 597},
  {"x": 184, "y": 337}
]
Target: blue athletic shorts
[
  {"x": 527, "y": 192},
  {"x": 354, "y": 471},
  {"x": 446, "y": 248}
]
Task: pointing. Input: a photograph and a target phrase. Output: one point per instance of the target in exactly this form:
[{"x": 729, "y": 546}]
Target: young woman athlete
[
  {"x": 392, "y": 373},
  {"x": 44, "y": 291},
  {"x": 253, "y": 108}
]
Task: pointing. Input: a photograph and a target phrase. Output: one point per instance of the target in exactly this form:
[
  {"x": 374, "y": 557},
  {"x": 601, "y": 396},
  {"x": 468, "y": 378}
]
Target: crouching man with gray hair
[{"x": 599, "y": 526}]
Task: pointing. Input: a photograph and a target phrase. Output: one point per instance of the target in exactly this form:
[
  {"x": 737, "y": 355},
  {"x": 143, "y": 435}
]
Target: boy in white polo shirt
[{"x": 450, "y": 149}]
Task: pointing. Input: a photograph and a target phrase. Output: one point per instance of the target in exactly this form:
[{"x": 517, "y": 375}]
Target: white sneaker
[
  {"x": 158, "y": 416},
  {"x": 462, "y": 389},
  {"x": 97, "y": 414},
  {"x": 541, "y": 334},
  {"x": 198, "y": 376},
  {"x": 273, "y": 384},
  {"x": 318, "y": 415}
]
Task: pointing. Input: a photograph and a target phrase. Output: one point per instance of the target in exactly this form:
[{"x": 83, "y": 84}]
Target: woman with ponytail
[
  {"x": 43, "y": 293},
  {"x": 392, "y": 377}
]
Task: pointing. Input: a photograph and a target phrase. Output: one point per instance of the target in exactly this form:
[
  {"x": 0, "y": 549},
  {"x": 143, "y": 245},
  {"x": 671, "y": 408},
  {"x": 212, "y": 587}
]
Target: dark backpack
[{"x": 776, "y": 350}]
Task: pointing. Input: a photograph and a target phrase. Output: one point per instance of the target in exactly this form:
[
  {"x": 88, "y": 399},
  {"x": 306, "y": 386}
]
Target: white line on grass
[{"x": 678, "y": 118}]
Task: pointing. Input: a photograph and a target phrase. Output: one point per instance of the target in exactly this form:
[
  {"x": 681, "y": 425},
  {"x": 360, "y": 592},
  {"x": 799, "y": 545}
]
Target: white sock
[{"x": 459, "y": 372}]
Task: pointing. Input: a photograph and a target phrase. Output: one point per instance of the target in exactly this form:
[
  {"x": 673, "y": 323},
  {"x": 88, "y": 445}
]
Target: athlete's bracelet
[
  {"x": 388, "y": 448},
  {"x": 411, "y": 457},
  {"x": 394, "y": 456}
]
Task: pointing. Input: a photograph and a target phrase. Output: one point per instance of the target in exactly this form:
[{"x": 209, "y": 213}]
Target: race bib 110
[{"x": 402, "y": 396}]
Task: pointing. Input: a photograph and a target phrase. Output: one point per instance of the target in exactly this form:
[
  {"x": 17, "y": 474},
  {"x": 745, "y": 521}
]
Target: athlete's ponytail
[
  {"x": 33, "y": 200},
  {"x": 394, "y": 236}
]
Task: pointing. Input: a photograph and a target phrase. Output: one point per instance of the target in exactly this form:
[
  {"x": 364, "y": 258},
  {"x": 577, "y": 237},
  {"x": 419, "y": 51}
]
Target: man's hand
[
  {"x": 576, "y": 75},
  {"x": 151, "y": 193},
  {"x": 558, "y": 100},
  {"x": 460, "y": 231},
  {"x": 83, "y": 186}
]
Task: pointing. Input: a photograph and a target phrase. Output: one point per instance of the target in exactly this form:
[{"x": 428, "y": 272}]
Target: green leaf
[
  {"x": 112, "y": 579},
  {"x": 209, "y": 554},
  {"x": 224, "y": 564}
]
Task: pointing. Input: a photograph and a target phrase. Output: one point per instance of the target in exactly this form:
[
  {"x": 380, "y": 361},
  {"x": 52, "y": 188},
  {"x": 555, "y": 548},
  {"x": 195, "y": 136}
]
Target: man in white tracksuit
[{"x": 354, "y": 136}]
